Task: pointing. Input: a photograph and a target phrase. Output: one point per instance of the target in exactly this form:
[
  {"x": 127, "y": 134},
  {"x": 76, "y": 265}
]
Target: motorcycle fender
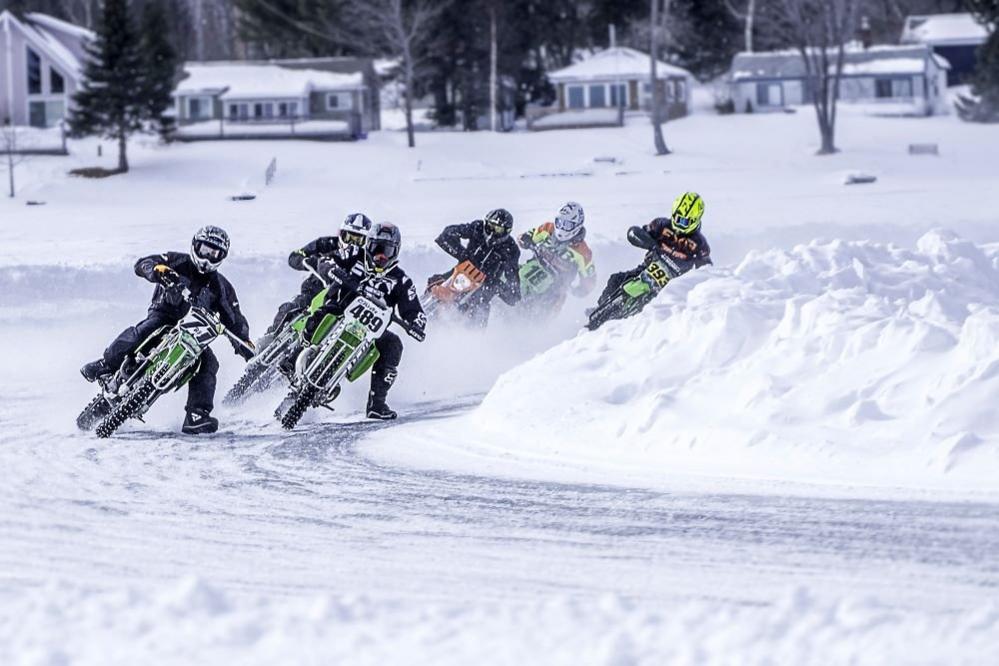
[
  {"x": 318, "y": 300},
  {"x": 364, "y": 365},
  {"x": 636, "y": 288},
  {"x": 323, "y": 329}
]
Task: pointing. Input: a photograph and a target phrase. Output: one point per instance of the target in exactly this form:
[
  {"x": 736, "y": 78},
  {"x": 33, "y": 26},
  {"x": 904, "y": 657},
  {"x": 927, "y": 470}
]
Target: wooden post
[{"x": 493, "y": 57}]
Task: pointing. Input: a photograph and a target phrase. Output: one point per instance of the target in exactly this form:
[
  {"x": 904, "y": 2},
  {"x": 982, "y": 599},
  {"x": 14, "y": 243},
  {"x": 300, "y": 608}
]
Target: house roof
[
  {"x": 39, "y": 28},
  {"x": 944, "y": 30},
  {"x": 619, "y": 62},
  {"x": 255, "y": 81},
  {"x": 910, "y": 59}
]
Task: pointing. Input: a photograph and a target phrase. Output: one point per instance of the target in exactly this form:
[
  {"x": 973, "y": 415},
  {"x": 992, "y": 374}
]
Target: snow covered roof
[
  {"x": 40, "y": 30},
  {"x": 255, "y": 81},
  {"x": 908, "y": 60},
  {"x": 944, "y": 30},
  {"x": 619, "y": 62}
]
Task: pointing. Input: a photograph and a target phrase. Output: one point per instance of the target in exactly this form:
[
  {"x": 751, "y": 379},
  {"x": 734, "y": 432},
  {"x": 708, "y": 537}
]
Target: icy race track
[{"x": 309, "y": 515}]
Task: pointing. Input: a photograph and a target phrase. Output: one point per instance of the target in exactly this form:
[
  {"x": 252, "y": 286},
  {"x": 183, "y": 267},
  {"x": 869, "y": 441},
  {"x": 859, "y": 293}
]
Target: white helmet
[
  {"x": 569, "y": 222},
  {"x": 209, "y": 247},
  {"x": 355, "y": 229}
]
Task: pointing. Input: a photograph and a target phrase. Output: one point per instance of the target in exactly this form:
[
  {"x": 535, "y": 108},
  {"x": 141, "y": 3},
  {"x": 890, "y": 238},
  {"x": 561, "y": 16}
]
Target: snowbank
[
  {"x": 193, "y": 622},
  {"x": 834, "y": 361}
]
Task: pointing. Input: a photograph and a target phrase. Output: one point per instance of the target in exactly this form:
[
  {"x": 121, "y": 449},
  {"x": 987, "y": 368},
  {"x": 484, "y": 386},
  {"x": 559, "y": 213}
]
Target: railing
[{"x": 346, "y": 127}]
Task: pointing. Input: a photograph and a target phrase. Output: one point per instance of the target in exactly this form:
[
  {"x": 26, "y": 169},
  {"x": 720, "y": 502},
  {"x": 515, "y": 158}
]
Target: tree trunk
[
  {"x": 410, "y": 135},
  {"x": 657, "y": 116},
  {"x": 493, "y": 57},
  {"x": 10, "y": 169},
  {"x": 123, "y": 153},
  {"x": 750, "y": 19}
]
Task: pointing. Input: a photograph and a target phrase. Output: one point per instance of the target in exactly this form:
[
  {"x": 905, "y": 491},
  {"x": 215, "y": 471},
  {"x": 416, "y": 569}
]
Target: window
[
  {"x": 34, "y": 73},
  {"x": 769, "y": 94},
  {"x": 199, "y": 108},
  {"x": 576, "y": 99},
  {"x": 57, "y": 84},
  {"x": 282, "y": 109},
  {"x": 258, "y": 110},
  {"x": 598, "y": 96},
  {"x": 619, "y": 95},
  {"x": 36, "y": 114},
  {"x": 338, "y": 101},
  {"x": 681, "y": 91},
  {"x": 887, "y": 88}
]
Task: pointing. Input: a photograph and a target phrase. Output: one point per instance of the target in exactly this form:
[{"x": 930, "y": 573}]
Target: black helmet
[
  {"x": 381, "y": 252},
  {"x": 354, "y": 230},
  {"x": 208, "y": 248},
  {"x": 497, "y": 224}
]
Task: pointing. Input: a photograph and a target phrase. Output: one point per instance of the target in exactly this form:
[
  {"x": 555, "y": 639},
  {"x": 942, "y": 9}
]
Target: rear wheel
[
  {"x": 126, "y": 410},
  {"x": 93, "y": 413}
]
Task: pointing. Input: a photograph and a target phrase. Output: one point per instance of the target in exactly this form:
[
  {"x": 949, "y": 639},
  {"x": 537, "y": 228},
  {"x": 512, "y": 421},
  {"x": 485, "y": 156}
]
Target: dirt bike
[
  {"x": 276, "y": 356},
  {"x": 448, "y": 295},
  {"x": 342, "y": 347},
  {"x": 635, "y": 293},
  {"x": 165, "y": 361},
  {"x": 545, "y": 278}
]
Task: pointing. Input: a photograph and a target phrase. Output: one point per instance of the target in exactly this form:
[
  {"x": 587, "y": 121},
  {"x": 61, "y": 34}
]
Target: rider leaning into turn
[
  {"x": 348, "y": 244},
  {"x": 565, "y": 240},
  {"x": 677, "y": 237},
  {"x": 196, "y": 270},
  {"x": 487, "y": 244},
  {"x": 375, "y": 273}
]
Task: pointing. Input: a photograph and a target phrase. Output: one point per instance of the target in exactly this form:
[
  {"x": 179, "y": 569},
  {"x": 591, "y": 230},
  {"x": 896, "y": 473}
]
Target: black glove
[
  {"x": 417, "y": 329},
  {"x": 166, "y": 276},
  {"x": 246, "y": 352}
]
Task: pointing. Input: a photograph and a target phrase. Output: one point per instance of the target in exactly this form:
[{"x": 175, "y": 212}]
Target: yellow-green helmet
[{"x": 688, "y": 209}]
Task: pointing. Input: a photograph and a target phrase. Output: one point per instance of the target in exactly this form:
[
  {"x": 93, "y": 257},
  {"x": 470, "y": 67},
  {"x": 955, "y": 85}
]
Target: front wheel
[
  {"x": 126, "y": 410},
  {"x": 256, "y": 378},
  {"x": 299, "y": 405},
  {"x": 93, "y": 413}
]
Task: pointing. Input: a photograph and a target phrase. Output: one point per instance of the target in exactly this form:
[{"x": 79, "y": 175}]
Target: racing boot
[
  {"x": 91, "y": 371},
  {"x": 199, "y": 422},
  {"x": 381, "y": 382}
]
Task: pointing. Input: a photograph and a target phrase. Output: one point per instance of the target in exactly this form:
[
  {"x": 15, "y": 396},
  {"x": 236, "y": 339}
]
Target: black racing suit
[
  {"x": 208, "y": 290},
  {"x": 498, "y": 259},
  {"x": 685, "y": 252},
  {"x": 397, "y": 290},
  {"x": 324, "y": 248}
]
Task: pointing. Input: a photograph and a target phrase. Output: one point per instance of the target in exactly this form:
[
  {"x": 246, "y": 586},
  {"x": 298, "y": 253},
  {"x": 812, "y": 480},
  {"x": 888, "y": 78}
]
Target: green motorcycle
[
  {"x": 276, "y": 356},
  {"x": 342, "y": 347},
  {"x": 634, "y": 294},
  {"x": 545, "y": 278},
  {"x": 165, "y": 361}
]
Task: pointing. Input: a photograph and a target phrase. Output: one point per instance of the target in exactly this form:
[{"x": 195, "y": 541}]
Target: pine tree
[
  {"x": 110, "y": 100},
  {"x": 159, "y": 67},
  {"x": 985, "y": 84}
]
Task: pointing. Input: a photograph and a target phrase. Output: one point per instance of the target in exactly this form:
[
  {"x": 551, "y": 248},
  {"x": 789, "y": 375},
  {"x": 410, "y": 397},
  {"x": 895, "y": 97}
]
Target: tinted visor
[
  {"x": 352, "y": 238},
  {"x": 683, "y": 223},
  {"x": 381, "y": 253},
  {"x": 496, "y": 229},
  {"x": 209, "y": 252}
]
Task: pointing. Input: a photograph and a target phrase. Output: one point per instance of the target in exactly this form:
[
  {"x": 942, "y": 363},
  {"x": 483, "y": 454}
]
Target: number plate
[
  {"x": 369, "y": 315},
  {"x": 658, "y": 273}
]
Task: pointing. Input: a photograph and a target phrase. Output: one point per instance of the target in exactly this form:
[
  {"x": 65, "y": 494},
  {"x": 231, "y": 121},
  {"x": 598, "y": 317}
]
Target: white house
[
  {"x": 41, "y": 64},
  {"x": 895, "y": 80},
  {"x": 955, "y": 37},
  {"x": 620, "y": 77},
  {"x": 276, "y": 93}
]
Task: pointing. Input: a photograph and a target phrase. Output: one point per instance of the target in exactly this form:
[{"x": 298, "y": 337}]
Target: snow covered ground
[{"x": 790, "y": 458}]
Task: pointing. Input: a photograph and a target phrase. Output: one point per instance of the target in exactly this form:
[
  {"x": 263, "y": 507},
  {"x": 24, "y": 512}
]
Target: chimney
[{"x": 866, "y": 34}]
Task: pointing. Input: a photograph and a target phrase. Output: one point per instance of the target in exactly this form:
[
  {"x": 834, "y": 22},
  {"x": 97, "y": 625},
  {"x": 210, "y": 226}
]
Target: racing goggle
[
  {"x": 352, "y": 238},
  {"x": 496, "y": 229},
  {"x": 381, "y": 254},
  {"x": 209, "y": 252},
  {"x": 683, "y": 223}
]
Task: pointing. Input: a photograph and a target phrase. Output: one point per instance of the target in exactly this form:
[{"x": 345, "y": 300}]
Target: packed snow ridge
[{"x": 834, "y": 361}]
